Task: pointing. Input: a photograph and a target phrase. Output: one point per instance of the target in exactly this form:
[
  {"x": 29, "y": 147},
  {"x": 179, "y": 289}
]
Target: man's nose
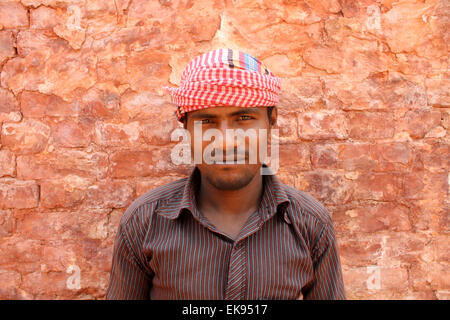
[
  {"x": 227, "y": 130},
  {"x": 223, "y": 125},
  {"x": 220, "y": 144}
]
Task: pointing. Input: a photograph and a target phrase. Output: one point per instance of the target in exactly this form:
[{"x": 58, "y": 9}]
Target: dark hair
[{"x": 269, "y": 114}]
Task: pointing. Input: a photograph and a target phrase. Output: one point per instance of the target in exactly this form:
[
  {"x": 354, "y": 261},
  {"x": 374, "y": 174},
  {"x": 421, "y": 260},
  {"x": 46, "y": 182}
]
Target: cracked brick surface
[{"x": 85, "y": 128}]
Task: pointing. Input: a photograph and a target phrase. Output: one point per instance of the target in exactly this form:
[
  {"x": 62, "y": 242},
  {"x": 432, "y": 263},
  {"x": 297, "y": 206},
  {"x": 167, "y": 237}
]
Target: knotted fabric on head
[{"x": 224, "y": 77}]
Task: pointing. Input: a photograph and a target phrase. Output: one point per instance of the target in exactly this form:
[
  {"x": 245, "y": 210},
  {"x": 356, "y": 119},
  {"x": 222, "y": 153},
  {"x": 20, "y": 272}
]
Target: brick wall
[{"x": 85, "y": 129}]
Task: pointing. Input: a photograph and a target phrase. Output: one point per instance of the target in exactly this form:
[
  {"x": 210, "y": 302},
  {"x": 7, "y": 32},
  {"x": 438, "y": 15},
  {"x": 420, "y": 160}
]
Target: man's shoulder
[
  {"x": 151, "y": 199},
  {"x": 306, "y": 206}
]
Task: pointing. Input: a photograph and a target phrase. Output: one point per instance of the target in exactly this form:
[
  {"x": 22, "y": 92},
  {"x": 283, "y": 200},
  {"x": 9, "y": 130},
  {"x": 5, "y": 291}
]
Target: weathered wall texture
[{"x": 85, "y": 127}]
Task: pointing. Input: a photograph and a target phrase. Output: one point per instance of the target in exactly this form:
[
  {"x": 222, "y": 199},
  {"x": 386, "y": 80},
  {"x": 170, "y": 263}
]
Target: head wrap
[{"x": 224, "y": 77}]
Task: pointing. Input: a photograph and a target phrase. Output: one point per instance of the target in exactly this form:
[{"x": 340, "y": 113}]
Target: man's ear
[{"x": 273, "y": 117}]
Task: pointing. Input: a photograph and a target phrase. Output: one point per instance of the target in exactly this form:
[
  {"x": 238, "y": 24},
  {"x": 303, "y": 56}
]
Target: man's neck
[{"x": 232, "y": 203}]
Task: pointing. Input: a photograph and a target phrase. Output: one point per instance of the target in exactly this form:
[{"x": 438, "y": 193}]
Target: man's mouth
[{"x": 237, "y": 160}]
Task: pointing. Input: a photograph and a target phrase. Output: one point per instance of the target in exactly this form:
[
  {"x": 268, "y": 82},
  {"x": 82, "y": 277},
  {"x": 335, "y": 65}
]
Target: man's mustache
[{"x": 234, "y": 155}]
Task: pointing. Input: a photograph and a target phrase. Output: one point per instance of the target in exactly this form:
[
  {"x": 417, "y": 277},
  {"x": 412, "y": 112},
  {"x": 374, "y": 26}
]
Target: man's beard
[{"x": 231, "y": 181}]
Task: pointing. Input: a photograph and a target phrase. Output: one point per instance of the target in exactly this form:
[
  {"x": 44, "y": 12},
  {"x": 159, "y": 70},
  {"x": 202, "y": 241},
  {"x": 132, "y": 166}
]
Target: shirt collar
[{"x": 274, "y": 198}]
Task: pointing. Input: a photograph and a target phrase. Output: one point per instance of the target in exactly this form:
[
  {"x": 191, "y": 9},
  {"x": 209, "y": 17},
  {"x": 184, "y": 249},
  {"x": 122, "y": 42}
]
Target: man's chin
[
  {"x": 228, "y": 184},
  {"x": 227, "y": 166},
  {"x": 229, "y": 176}
]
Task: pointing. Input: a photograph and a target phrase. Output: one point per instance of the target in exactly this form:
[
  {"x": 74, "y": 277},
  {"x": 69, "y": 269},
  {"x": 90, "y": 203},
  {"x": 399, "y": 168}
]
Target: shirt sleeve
[
  {"x": 328, "y": 282},
  {"x": 129, "y": 279}
]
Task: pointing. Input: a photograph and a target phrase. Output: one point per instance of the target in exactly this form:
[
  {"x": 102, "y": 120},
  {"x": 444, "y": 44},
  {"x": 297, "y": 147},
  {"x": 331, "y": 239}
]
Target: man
[{"x": 226, "y": 231}]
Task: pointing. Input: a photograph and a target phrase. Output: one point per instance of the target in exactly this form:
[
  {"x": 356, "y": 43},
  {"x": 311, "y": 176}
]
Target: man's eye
[
  {"x": 245, "y": 117},
  {"x": 204, "y": 121}
]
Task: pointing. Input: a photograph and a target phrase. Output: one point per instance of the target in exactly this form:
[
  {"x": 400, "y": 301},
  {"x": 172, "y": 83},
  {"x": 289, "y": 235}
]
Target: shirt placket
[
  {"x": 238, "y": 268},
  {"x": 237, "y": 272}
]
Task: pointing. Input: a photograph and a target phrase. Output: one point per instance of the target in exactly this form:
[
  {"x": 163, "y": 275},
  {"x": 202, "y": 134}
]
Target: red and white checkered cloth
[{"x": 225, "y": 77}]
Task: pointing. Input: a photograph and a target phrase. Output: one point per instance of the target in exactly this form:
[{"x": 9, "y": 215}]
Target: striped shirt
[{"x": 166, "y": 249}]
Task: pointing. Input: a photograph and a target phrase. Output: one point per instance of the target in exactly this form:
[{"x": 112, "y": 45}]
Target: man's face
[{"x": 230, "y": 176}]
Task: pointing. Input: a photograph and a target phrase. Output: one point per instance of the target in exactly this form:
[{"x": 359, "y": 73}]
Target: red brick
[
  {"x": 8, "y": 102},
  {"x": 430, "y": 214},
  {"x": 325, "y": 186},
  {"x": 419, "y": 122},
  {"x": 58, "y": 256},
  {"x": 72, "y": 133},
  {"x": 287, "y": 175},
  {"x": 378, "y": 186},
  {"x": 360, "y": 251},
  {"x": 431, "y": 154},
  {"x": 158, "y": 131},
  {"x": 7, "y": 163},
  {"x": 441, "y": 248},
  {"x": 147, "y": 69},
  {"x": 13, "y": 116},
  {"x": 145, "y": 106},
  {"x": 92, "y": 259},
  {"x": 324, "y": 156},
  {"x": 392, "y": 280},
  {"x": 355, "y": 281},
  {"x": 18, "y": 194},
  {"x": 287, "y": 127},
  {"x": 32, "y": 283},
  {"x": 100, "y": 260},
  {"x": 300, "y": 93},
  {"x": 100, "y": 104},
  {"x": 48, "y": 73},
  {"x": 26, "y": 137},
  {"x": 418, "y": 274},
  {"x": 438, "y": 276},
  {"x": 328, "y": 58},
  {"x": 7, "y": 224},
  {"x": 61, "y": 163},
  {"x": 132, "y": 163},
  {"x": 370, "y": 125},
  {"x": 438, "y": 91},
  {"x": 295, "y": 156},
  {"x": 20, "y": 254},
  {"x": 113, "y": 223},
  {"x": 392, "y": 156},
  {"x": 404, "y": 249},
  {"x": 32, "y": 41},
  {"x": 7, "y": 44},
  {"x": 118, "y": 134},
  {"x": 319, "y": 125},
  {"x": 423, "y": 185},
  {"x": 373, "y": 218},
  {"x": 63, "y": 193},
  {"x": 13, "y": 15},
  {"x": 144, "y": 163},
  {"x": 145, "y": 185},
  {"x": 10, "y": 281},
  {"x": 283, "y": 66},
  {"x": 378, "y": 92},
  {"x": 38, "y": 105},
  {"x": 43, "y": 18},
  {"x": 163, "y": 164},
  {"x": 110, "y": 194},
  {"x": 65, "y": 225},
  {"x": 355, "y": 156},
  {"x": 114, "y": 68}
]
